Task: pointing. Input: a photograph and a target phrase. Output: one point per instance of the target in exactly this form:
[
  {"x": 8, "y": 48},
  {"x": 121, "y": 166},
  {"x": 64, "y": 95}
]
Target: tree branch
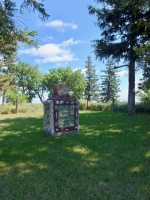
[{"x": 120, "y": 66}]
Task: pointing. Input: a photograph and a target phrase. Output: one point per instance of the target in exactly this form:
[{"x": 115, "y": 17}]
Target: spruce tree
[
  {"x": 109, "y": 84},
  {"x": 92, "y": 90}
]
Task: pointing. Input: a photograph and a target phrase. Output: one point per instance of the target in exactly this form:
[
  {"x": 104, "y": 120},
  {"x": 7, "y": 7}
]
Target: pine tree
[
  {"x": 92, "y": 91},
  {"x": 109, "y": 84}
]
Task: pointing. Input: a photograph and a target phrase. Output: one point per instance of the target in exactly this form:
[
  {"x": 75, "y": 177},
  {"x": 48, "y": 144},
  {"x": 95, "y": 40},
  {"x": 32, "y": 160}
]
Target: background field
[
  {"x": 119, "y": 106},
  {"x": 108, "y": 159}
]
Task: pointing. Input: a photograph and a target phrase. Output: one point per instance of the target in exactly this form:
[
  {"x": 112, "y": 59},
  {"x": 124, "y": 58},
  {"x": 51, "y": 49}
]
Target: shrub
[
  {"x": 5, "y": 109},
  {"x": 82, "y": 106}
]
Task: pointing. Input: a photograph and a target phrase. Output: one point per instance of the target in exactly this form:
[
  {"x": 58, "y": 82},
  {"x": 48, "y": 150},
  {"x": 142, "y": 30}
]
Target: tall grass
[
  {"x": 23, "y": 108},
  {"x": 119, "y": 107}
]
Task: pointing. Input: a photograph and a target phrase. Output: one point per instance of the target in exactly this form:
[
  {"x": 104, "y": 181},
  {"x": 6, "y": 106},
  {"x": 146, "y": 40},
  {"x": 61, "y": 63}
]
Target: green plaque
[{"x": 65, "y": 116}]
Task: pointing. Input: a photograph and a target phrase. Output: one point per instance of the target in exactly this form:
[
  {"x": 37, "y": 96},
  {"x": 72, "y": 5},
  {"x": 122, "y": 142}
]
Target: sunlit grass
[{"x": 108, "y": 159}]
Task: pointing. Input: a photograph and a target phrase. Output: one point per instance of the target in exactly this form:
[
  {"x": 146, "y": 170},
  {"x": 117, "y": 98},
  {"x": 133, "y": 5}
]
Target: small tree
[
  {"x": 92, "y": 91},
  {"x": 109, "y": 84},
  {"x": 16, "y": 98}
]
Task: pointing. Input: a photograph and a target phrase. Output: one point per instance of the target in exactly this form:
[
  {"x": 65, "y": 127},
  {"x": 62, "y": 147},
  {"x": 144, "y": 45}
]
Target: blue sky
[{"x": 65, "y": 38}]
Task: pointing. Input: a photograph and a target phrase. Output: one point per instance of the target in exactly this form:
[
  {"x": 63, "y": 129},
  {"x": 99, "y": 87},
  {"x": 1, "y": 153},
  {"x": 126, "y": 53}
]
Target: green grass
[{"x": 108, "y": 159}]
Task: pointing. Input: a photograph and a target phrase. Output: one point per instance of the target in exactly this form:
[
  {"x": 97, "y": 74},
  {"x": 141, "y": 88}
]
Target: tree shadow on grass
[{"x": 107, "y": 159}]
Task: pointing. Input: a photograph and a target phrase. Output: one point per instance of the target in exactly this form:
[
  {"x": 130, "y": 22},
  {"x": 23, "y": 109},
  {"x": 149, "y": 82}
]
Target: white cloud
[
  {"x": 52, "y": 52},
  {"x": 82, "y": 70},
  {"x": 69, "y": 43},
  {"x": 122, "y": 73},
  {"x": 59, "y": 25}
]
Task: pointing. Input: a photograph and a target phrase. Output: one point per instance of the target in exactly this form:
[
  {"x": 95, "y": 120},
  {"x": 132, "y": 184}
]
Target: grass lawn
[{"x": 109, "y": 159}]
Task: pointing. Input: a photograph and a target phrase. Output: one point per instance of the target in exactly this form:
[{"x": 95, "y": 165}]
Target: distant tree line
[{"x": 28, "y": 82}]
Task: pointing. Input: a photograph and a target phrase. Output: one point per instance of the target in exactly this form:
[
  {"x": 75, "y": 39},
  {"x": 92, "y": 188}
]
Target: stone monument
[{"x": 61, "y": 112}]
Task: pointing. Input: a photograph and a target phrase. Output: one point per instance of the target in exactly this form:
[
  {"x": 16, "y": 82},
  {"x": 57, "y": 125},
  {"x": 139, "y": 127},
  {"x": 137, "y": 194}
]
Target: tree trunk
[
  {"x": 30, "y": 98},
  {"x": 3, "y": 99},
  {"x": 17, "y": 105},
  {"x": 113, "y": 101},
  {"x": 87, "y": 104},
  {"x": 40, "y": 97},
  {"x": 131, "y": 90}
]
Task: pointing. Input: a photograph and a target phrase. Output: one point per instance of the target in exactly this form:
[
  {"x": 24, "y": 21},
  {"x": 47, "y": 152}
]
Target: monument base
[{"x": 60, "y": 133}]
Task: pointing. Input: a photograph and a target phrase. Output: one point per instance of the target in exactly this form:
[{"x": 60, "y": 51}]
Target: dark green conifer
[{"x": 92, "y": 90}]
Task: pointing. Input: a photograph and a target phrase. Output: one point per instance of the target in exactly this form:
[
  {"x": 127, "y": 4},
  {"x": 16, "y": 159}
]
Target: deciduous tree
[
  {"x": 73, "y": 79},
  {"x": 28, "y": 79}
]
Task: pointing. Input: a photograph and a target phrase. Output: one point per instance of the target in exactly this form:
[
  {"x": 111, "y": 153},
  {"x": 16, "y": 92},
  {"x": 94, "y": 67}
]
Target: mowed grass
[{"x": 108, "y": 159}]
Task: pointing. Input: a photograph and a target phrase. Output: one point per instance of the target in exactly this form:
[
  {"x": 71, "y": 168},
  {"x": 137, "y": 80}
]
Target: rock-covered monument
[{"x": 61, "y": 112}]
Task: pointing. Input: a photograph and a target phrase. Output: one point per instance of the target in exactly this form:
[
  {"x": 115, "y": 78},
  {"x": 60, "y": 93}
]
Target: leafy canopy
[{"x": 73, "y": 79}]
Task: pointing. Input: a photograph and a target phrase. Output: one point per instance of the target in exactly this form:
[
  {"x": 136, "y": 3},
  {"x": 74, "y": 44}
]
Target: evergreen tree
[
  {"x": 125, "y": 28},
  {"x": 144, "y": 63},
  {"x": 109, "y": 84},
  {"x": 92, "y": 91}
]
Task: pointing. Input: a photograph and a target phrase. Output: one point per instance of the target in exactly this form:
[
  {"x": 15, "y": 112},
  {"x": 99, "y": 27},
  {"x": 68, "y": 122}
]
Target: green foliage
[
  {"x": 10, "y": 34},
  {"x": 41, "y": 88},
  {"x": 73, "y": 79},
  {"x": 35, "y": 6},
  {"x": 92, "y": 90},
  {"x": 143, "y": 54},
  {"x": 12, "y": 97},
  {"x": 28, "y": 79},
  {"x": 7, "y": 78},
  {"x": 123, "y": 20},
  {"x": 144, "y": 97},
  {"x": 109, "y": 83},
  {"x": 144, "y": 84}
]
